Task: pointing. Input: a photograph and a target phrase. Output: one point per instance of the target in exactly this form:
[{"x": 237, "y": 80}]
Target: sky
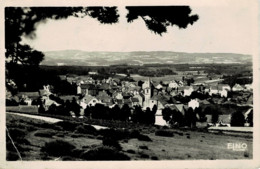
[{"x": 220, "y": 29}]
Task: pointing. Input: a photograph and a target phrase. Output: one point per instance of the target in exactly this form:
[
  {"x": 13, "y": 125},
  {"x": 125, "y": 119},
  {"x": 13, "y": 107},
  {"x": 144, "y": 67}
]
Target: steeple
[{"x": 149, "y": 82}]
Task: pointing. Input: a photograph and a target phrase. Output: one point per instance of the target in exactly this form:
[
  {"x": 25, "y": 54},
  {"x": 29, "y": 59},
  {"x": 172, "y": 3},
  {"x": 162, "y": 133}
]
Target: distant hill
[{"x": 83, "y": 58}]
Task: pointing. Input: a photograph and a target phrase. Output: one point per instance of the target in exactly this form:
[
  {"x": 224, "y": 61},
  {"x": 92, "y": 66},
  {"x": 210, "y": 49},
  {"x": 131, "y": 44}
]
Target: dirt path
[
  {"x": 47, "y": 119},
  {"x": 50, "y": 119}
]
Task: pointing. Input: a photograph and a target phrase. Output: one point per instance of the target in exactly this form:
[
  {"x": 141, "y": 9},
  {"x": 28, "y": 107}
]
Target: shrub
[
  {"x": 74, "y": 135},
  {"x": 154, "y": 158},
  {"x": 16, "y": 133},
  {"x": 134, "y": 134},
  {"x": 164, "y": 133},
  {"x": 237, "y": 119},
  {"x": 58, "y": 148},
  {"x": 246, "y": 154},
  {"x": 76, "y": 152},
  {"x": 67, "y": 125},
  {"x": 142, "y": 137},
  {"x": 12, "y": 156},
  {"x": 115, "y": 134},
  {"x": 22, "y": 141},
  {"x": 130, "y": 151},
  {"x": 104, "y": 153},
  {"x": 111, "y": 143},
  {"x": 31, "y": 128},
  {"x": 44, "y": 133},
  {"x": 143, "y": 147},
  {"x": 49, "y": 126},
  {"x": 142, "y": 155},
  {"x": 90, "y": 129}
]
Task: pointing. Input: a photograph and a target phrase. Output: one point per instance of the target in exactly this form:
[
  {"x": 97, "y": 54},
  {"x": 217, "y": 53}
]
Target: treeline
[
  {"x": 100, "y": 111},
  {"x": 29, "y": 78},
  {"x": 190, "y": 117},
  {"x": 125, "y": 69}
]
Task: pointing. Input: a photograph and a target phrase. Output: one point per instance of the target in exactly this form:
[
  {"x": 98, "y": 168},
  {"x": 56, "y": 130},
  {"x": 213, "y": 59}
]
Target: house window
[{"x": 94, "y": 101}]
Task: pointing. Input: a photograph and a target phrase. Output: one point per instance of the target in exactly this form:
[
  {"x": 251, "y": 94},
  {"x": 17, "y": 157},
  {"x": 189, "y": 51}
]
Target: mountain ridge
[{"x": 96, "y": 58}]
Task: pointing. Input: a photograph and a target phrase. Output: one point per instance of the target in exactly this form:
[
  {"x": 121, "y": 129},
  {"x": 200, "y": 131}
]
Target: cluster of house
[{"x": 146, "y": 94}]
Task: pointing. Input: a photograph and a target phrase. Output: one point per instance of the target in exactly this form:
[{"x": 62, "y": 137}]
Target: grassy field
[{"x": 38, "y": 140}]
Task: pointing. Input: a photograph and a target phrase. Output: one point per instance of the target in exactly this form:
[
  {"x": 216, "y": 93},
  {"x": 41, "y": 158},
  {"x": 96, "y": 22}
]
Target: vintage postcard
[{"x": 130, "y": 84}]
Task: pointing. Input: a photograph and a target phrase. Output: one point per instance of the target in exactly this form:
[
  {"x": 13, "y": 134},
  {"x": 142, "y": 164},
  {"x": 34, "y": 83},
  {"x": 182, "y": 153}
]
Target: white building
[{"x": 193, "y": 104}]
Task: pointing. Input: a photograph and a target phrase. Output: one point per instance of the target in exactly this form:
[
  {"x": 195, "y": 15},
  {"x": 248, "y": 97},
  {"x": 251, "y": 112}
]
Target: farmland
[{"x": 33, "y": 138}]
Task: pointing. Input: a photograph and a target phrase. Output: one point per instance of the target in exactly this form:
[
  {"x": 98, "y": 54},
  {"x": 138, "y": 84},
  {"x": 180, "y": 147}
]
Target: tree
[
  {"x": 22, "y": 22},
  {"x": 148, "y": 114},
  {"x": 177, "y": 118},
  {"x": 138, "y": 114},
  {"x": 231, "y": 81},
  {"x": 201, "y": 114},
  {"x": 140, "y": 83},
  {"x": 159, "y": 18},
  {"x": 125, "y": 112},
  {"x": 237, "y": 119},
  {"x": 215, "y": 115},
  {"x": 167, "y": 114},
  {"x": 75, "y": 107},
  {"x": 189, "y": 117},
  {"x": 115, "y": 112}
]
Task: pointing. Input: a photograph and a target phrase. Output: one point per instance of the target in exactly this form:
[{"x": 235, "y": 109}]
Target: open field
[
  {"x": 157, "y": 79},
  {"x": 34, "y": 138}
]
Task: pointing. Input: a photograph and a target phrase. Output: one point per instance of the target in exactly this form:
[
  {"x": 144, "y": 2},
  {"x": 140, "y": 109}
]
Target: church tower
[{"x": 147, "y": 93}]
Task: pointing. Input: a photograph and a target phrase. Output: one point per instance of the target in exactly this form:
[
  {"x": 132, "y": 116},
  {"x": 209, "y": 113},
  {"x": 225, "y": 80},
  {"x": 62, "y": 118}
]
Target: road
[
  {"x": 50, "y": 119},
  {"x": 47, "y": 119}
]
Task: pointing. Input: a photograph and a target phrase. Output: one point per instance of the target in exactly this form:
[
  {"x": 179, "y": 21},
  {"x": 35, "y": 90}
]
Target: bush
[
  {"x": 114, "y": 134},
  {"x": 134, "y": 134},
  {"x": 142, "y": 137},
  {"x": 237, "y": 119},
  {"x": 44, "y": 133},
  {"x": 74, "y": 135},
  {"x": 144, "y": 155},
  {"x": 16, "y": 133},
  {"x": 76, "y": 152},
  {"x": 58, "y": 148},
  {"x": 90, "y": 129},
  {"x": 154, "y": 158},
  {"x": 130, "y": 151},
  {"x": 104, "y": 153},
  {"x": 12, "y": 156},
  {"x": 111, "y": 143},
  {"x": 67, "y": 125},
  {"x": 246, "y": 154},
  {"x": 48, "y": 126},
  {"x": 164, "y": 133},
  {"x": 143, "y": 147}
]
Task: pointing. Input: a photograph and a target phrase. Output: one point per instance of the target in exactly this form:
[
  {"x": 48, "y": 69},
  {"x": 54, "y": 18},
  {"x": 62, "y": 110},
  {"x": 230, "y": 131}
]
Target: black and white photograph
[{"x": 130, "y": 83}]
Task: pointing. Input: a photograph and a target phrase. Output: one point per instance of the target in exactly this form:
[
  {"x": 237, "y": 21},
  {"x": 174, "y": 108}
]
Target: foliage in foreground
[
  {"x": 104, "y": 153},
  {"x": 58, "y": 148}
]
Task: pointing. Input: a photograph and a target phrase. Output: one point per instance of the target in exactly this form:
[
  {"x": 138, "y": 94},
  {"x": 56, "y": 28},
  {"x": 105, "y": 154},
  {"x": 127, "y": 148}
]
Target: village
[{"x": 205, "y": 98}]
